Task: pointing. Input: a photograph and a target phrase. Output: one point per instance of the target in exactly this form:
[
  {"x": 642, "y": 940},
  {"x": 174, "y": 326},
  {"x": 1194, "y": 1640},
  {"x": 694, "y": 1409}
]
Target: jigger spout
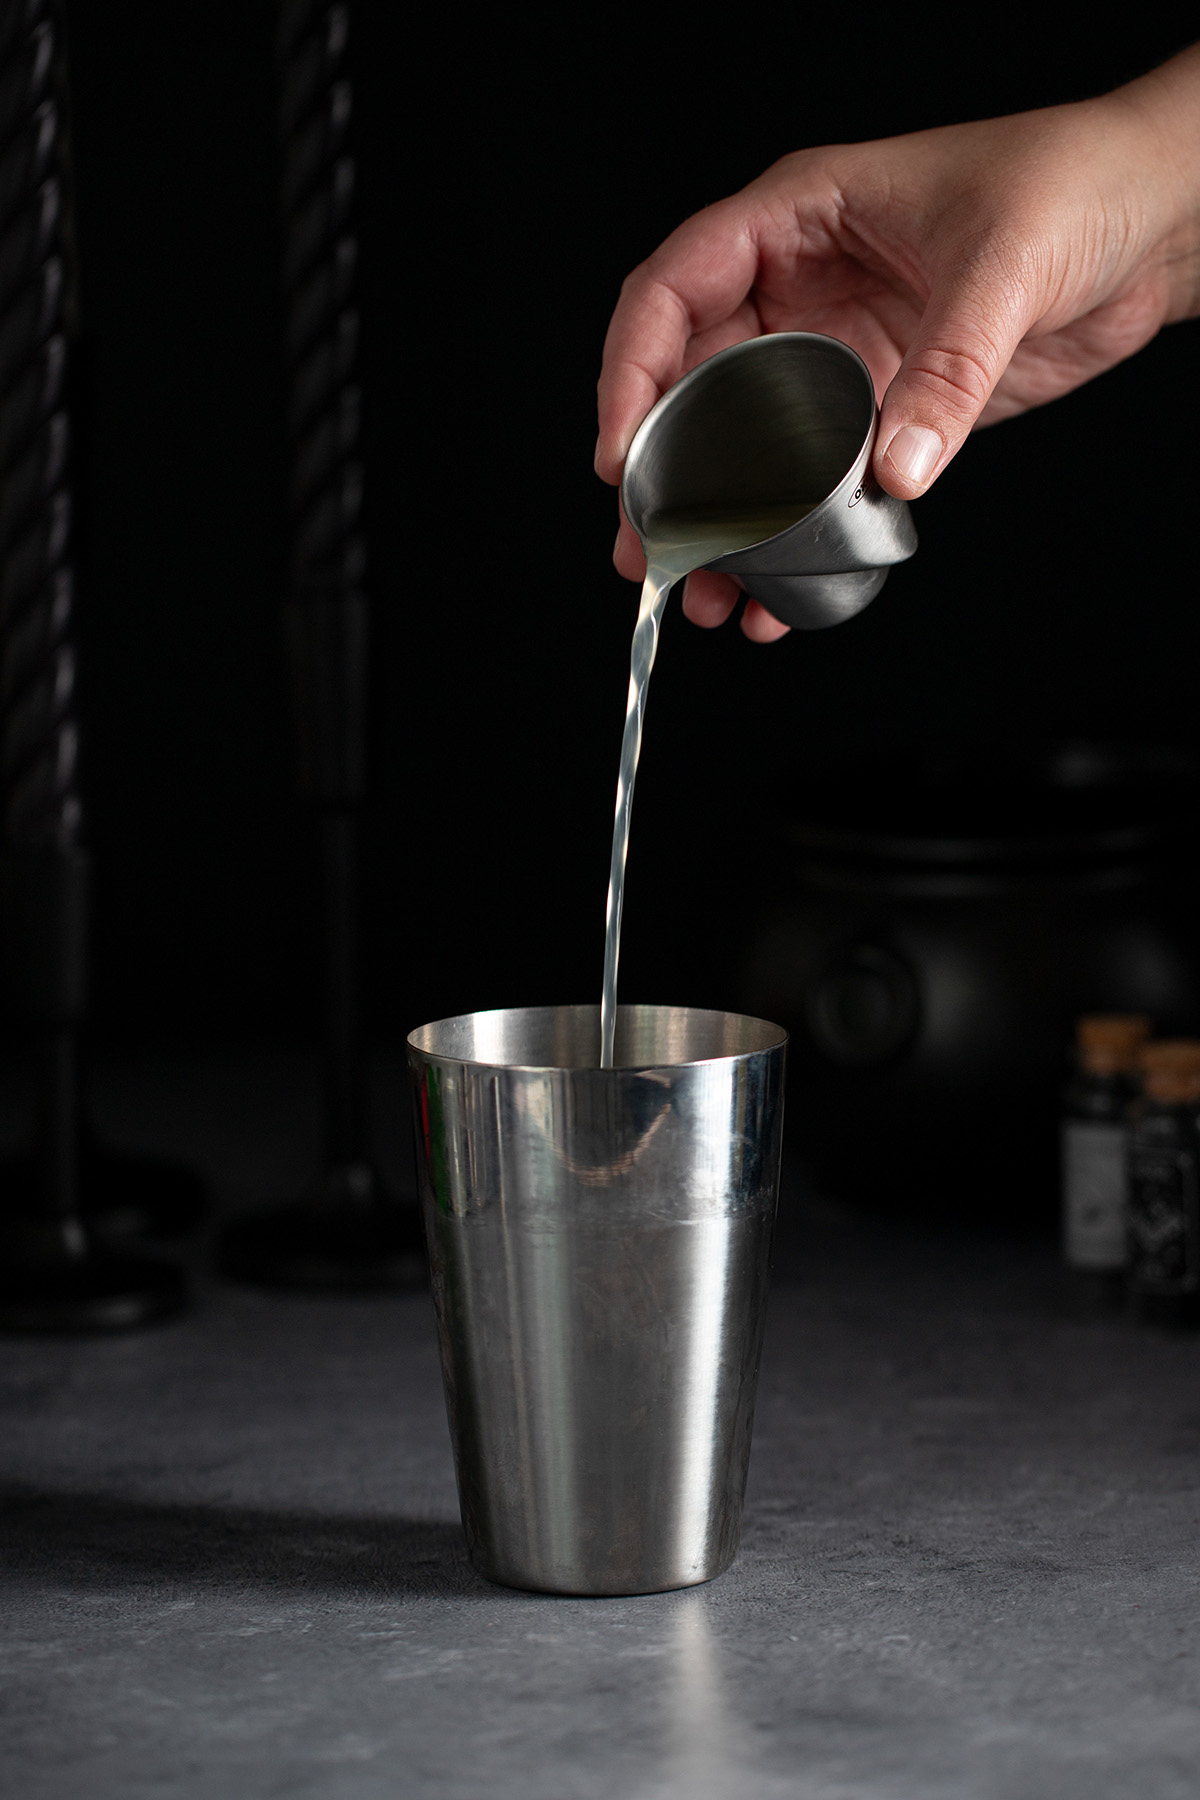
[{"x": 784, "y": 420}]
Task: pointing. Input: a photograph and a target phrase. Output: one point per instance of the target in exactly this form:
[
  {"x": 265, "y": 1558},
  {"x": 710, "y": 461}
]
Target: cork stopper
[
  {"x": 1171, "y": 1070},
  {"x": 1108, "y": 1042}
]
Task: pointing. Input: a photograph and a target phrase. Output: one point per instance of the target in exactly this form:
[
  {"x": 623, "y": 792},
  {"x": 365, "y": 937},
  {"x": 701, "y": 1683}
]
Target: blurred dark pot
[{"x": 934, "y": 930}]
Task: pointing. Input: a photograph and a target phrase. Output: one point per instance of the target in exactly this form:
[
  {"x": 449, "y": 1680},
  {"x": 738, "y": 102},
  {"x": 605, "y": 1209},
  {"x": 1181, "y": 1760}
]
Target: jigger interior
[
  {"x": 598, "y": 1242},
  {"x": 774, "y": 420}
]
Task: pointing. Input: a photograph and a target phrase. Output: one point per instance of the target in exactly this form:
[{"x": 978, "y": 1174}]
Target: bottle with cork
[
  {"x": 1095, "y": 1151},
  {"x": 1164, "y": 1186}
]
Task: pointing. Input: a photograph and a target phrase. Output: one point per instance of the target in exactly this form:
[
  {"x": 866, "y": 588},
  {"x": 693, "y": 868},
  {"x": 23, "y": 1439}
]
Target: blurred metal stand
[
  {"x": 350, "y": 1235},
  {"x": 55, "y": 1274}
]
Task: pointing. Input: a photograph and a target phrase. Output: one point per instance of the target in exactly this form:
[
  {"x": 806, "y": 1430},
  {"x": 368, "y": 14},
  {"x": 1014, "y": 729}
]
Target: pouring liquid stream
[{"x": 676, "y": 543}]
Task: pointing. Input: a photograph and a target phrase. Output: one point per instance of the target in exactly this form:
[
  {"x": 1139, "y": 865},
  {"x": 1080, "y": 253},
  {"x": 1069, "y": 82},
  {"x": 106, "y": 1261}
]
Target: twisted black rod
[
  {"x": 39, "y": 734},
  {"x": 44, "y": 867},
  {"x": 327, "y": 613},
  {"x": 53, "y": 1274},
  {"x": 351, "y": 1235}
]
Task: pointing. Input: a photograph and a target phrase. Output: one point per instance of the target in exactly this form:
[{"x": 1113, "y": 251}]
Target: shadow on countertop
[{"x": 91, "y": 1541}]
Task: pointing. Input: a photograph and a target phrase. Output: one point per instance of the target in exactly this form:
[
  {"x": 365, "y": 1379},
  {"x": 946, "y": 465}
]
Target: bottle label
[
  {"x": 1163, "y": 1235},
  {"x": 1094, "y": 1195}
]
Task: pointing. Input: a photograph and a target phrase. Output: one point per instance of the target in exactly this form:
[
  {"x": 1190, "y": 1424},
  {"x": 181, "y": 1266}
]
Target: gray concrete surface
[{"x": 231, "y": 1564}]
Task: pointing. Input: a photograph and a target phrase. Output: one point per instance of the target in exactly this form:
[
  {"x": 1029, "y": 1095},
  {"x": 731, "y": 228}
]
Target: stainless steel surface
[
  {"x": 599, "y": 1241},
  {"x": 781, "y": 418}
]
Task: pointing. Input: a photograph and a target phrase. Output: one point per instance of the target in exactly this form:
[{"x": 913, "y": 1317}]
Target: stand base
[
  {"x": 344, "y": 1242},
  {"x": 127, "y": 1195},
  {"x": 121, "y": 1195},
  {"x": 52, "y": 1278},
  {"x": 1093, "y": 1293},
  {"x": 1169, "y": 1312}
]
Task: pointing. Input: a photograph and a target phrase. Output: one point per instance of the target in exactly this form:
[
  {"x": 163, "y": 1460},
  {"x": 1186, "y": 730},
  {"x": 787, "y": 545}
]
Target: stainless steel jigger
[
  {"x": 598, "y": 1244},
  {"x": 789, "y": 417}
]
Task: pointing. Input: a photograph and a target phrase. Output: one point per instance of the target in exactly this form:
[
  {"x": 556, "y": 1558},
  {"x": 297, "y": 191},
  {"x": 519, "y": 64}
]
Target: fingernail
[{"x": 914, "y": 452}]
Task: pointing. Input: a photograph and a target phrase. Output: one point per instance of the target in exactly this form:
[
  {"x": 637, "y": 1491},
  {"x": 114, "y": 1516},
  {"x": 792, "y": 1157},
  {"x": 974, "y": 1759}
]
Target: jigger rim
[
  {"x": 768, "y": 1037},
  {"x": 754, "y": 346}
]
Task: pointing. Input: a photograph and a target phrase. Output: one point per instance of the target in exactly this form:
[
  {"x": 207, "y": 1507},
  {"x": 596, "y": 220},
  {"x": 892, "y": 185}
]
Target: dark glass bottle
[
  {"x": 1164, "y": 1186},
  {"x": 1095, "y": 1151}
]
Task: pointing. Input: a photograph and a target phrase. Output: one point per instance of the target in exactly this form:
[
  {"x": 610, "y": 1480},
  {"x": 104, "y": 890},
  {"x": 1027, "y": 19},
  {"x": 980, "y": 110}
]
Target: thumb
[{"x": 961, "y": 349}]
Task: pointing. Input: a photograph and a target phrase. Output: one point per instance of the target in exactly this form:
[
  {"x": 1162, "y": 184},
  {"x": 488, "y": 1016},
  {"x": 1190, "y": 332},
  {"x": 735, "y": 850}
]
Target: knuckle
[{"x": 961, "y": 377}]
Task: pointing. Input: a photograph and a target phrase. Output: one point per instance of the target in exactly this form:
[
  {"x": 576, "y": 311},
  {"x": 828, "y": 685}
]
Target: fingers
[
  {"x": 628, "y": 555},
  {"x": 693, "y": 283},
  {"x": 760, "y": 626},
  {"x": 709, "y": 598},
  {"x": 961, "y": 349}
]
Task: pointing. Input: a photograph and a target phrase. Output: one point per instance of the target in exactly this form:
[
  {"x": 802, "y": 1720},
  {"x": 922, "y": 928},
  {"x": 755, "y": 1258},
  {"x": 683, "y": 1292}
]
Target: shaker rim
[{"x": 769, "y": 1037}]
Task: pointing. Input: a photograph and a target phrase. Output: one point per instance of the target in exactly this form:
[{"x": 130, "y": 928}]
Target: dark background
[{"x": 511, "y": 173}]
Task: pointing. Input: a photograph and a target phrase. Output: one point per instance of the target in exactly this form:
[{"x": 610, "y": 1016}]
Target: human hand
[{"x": 979, "y": 270}]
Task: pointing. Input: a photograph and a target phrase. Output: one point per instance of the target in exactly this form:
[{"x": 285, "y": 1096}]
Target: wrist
[{"x": 1162, "y": 109}]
